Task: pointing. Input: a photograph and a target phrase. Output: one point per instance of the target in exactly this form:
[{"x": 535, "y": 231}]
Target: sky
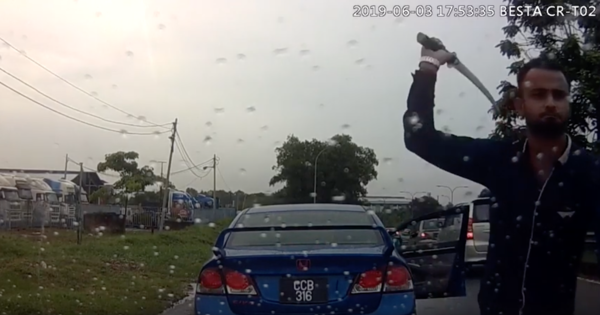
[{"x": 240, "y": 76}]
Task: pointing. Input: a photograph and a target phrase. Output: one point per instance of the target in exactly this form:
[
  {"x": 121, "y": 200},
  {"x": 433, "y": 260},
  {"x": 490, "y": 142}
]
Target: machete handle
[
  {"x": 433, "y": 45},
  {"x": 429, "y": 43}
]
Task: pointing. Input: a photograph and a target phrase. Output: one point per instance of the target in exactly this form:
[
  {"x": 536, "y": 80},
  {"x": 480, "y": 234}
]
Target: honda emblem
[{"x": 303, "y": 264}]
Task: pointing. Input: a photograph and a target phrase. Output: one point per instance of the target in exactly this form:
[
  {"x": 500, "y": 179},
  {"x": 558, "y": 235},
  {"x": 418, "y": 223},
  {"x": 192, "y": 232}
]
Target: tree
[
  {"x": 102, "y": 195},
  {"x": 424, "y": 205},
  {"x": 193, "y": 192},
  {"x": 574, "y": 42},
  {"x": 133, "y": 178},
  {"x": 343, "y": 169}
]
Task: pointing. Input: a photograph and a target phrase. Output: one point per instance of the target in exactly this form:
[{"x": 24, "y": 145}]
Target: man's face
[{"x": 543, "y": 102}]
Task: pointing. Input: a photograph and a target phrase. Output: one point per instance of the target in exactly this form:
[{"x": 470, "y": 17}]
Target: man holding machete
[{"x": 545, "y": 189}]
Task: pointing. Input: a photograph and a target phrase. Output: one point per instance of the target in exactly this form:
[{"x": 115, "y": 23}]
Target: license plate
[{"x": 303, "y": 290}]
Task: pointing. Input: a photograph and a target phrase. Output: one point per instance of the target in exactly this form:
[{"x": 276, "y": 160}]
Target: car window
[
  {"x": 315, "y": 237},
  {"x": 305, "y": 218},
  {"x": 481, "y": 212},
  {"x": 431, "y": 225}
]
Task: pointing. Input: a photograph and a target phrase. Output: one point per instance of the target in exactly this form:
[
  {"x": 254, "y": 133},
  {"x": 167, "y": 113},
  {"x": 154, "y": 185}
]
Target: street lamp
[
  {"x": 330, "y": 143},
  {"x": 451, "y": 191}
]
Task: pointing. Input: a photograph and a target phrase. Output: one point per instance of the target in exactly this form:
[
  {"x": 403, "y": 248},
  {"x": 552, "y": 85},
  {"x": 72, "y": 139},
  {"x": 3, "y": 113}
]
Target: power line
[
  {"x": 223, "y": 179},
  {"x": 187, "y": 163},
  {"x": 73, "y": 108},
  {"x": 193, "y": 166},
  {"x": 123, "y": 132},
  {"x": 186, "y": 153},
  {"x": 73, "y": 85}
]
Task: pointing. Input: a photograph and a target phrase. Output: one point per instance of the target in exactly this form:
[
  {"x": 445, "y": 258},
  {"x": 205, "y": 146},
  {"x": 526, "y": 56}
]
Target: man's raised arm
[{"x": 463, "y": 156}]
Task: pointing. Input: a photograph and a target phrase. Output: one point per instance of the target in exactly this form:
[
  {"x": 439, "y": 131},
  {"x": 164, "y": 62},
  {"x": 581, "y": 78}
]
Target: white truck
[
  {"x": 42, "y": 192},
  {"x": 69, "y": 199},
  {"x": 25, "y": 197},
  {"x": 11, "y": 207}
]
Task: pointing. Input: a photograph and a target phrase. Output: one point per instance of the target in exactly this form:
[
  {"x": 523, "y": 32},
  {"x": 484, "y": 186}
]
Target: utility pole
[
  {"x": 163, "y": 207},
  {"x": 79, "y": 209},
  {"x": 66, "y": 166}
]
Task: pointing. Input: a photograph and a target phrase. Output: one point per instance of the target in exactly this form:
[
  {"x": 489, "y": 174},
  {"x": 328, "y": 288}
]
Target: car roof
[
  {"x": 476, "y": 199},
  {"x": 307, "y": 206}
]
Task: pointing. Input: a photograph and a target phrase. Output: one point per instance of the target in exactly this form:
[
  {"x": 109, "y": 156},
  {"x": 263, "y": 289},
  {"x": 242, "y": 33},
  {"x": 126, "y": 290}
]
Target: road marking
[{"x": 589, "y": 280}]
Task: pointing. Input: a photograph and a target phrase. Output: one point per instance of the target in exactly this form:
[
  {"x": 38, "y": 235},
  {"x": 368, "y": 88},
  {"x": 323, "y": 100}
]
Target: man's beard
[{"x": 549, "y": 129}]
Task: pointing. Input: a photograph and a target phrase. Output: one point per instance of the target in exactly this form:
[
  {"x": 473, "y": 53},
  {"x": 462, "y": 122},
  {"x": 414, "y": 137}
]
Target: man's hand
[{"x": 442, "y": 56}]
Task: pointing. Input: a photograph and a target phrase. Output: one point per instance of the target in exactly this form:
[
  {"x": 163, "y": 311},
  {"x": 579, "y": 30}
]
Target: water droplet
[
  {"x": 88, "y": 77},
  {"x": 360, "y": 62},
  {"x": 207, "y": 140},
  {"x": 250, "y": 109},
  {"x": 345, "y": 126},
  {"x": 316, "y": 68},
  {"x": 304, "y": 53},
  {"x": 242, "y": 171},
  {"x": 387, "y": 160},
  {"x": 240, "y": 141},
  {"x": 208, "y": 124},
  {"x": 280, "y": 51},
  {"x": 264, "y": 128},
  {"x": 219, "y": 110},
  {"x": 221, "y": 61},
  {"x": 129, "y": 53},
  {"x": 114, "y": 86},
  {"x": 352, "y": 44},
  {"x": 161, "y": 27},
  {"x": 98, "y": 14},
  {"x": 241, "y": 57}
]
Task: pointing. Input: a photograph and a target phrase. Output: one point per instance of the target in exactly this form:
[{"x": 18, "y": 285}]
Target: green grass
[{"x": 137, "y": 273}]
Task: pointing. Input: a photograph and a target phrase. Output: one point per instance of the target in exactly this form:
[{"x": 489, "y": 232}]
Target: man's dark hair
[{"x": 544, "y": 63}]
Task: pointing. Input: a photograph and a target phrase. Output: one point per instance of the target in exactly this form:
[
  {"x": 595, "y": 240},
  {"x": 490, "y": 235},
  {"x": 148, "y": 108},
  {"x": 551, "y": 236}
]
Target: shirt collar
[{"x": 564, "y": 157}]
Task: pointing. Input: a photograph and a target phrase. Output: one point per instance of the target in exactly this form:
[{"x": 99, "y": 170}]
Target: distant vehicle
[
  {"x": 478, "y": 231},
  {"x": 424, "y": 232},
  {"x": 10, "y": 203},
  {"x": 43, "y": 192},
  {"x": 312, "y": 258}
]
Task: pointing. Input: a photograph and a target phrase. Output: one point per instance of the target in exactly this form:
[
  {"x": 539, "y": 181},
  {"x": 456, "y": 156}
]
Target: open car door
[{"x": 437, "y": 264}]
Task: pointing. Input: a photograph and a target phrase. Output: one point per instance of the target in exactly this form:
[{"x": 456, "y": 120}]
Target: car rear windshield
[
  {"x": 432, "y": 225},
  {"x": 337, "y": 236},
  {"x": 481, "y": 211}
]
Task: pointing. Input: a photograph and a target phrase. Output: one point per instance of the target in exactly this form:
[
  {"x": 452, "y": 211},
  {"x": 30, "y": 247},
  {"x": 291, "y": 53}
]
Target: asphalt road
[{"x": 588, "y": 302}]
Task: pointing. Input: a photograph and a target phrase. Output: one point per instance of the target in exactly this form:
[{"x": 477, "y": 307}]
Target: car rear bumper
[
  {"x": 391, "y": 303},
  {"x": 472, "y": 256}
]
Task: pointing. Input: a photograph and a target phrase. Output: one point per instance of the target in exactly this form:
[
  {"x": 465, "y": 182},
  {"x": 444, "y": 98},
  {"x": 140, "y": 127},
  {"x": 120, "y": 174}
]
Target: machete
[{"x": 432, "y": 44}]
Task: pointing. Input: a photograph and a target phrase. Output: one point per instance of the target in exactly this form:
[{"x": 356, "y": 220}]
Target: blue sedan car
[{"x": 326, "y": 259}]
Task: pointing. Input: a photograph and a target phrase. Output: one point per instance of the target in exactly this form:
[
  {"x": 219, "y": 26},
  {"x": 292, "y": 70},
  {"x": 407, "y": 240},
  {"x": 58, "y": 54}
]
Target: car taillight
[
  {"x": 369, "y": 281},
  {"x": 470, "y": 229},
  {"x": 396, "y": 278},
  {"x": 210, "y": 282},
  {"x": 238, "y": 283},
  {"x": 423, "y": 235}
]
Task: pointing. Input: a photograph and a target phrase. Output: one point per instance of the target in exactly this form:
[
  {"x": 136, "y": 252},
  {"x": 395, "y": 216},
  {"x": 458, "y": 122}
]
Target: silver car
[{"x": 478, "y": 231}]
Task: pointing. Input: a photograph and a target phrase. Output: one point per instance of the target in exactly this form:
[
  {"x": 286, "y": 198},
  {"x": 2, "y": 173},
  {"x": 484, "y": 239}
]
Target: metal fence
[
  {"x": 37, "y": 214},
  {"x": 145, "y": 218}
]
